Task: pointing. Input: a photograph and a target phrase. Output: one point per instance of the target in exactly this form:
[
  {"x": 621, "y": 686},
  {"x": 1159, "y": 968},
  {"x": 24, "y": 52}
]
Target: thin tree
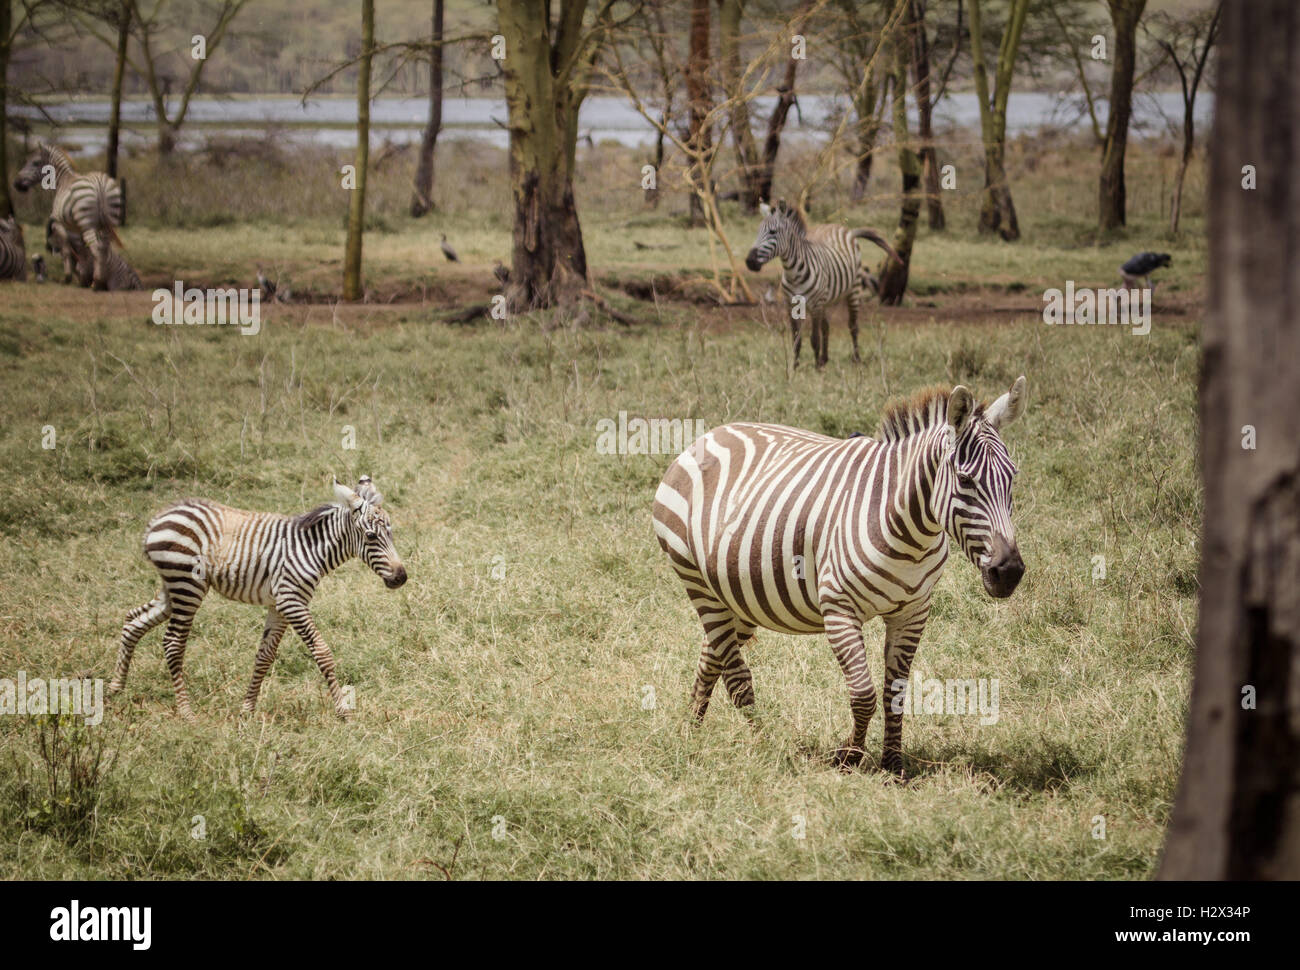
[
  {"x": 742, "y": 134},
  {"x": 1236, "y": 815},
  {"x": 1124, "y": 16},
  {"x": 422, "y": 197},
  {"x": 1187, "y": 44},
  {"x": 997, "y": 210},
  {"x": 925, "y": 113},
  {"x": 893, "y": 275},
  {"x": 7, "y": 34},
  {"x": 119, "y": 16},
  {"x": 697, "y": 96},
  {"x": 352, "y": 284}
]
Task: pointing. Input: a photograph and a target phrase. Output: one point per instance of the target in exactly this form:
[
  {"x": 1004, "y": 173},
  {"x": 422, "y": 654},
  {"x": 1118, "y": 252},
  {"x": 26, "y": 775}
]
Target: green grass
[{"x": 515, "y": 701}]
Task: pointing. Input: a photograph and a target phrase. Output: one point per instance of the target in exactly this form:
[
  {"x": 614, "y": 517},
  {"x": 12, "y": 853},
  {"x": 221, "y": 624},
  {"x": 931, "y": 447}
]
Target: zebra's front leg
[
  {"x": 902, "y": 635},
  {"x": 271, "y": 634},
  {"x": 844, "y": 631},
  {"x": 796, "y": 333},
  {"x": 295, "y": 612}
]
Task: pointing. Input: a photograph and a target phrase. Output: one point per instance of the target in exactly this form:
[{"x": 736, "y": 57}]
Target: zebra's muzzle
[
  {"x": 1003, "y": 570},
  {"x": 754, "y": 261},
  {"x": 397, "y": 578}
]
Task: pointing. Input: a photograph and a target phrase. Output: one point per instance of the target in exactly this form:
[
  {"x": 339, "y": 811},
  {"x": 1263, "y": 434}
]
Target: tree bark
[
  {"x": 868, "y": 127},
  {"x": 925, "y": 110},
  {"x": 775, "y": 125},
  {"x": 1237, "y": 812},
  {"x": 1124, "y": 16},
  {"x": 545, "y": 81},
  {"x": 123, "y": 24},
  {"x": 697, "y": 93},
  {"x": 6, "y": 28},
  {"x": 747, "y": 160},
  {"x": 422, "y": 198},
  {"x": 352, "y": 283},
  {"x": 893, "y": 275},
  {"x": 997, "y": 210}
]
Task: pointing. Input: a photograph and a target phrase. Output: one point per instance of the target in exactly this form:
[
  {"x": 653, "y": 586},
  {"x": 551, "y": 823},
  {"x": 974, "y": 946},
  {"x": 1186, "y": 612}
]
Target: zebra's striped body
[
  {"x": 13, "y": 254},
  {"x": 80, "y": 266},
  {"x": 819, "y": 266},
  {"x": 259, "y": 558},
  {"x": 88, "y": 206},
  {"x": 768, "y": 526}
]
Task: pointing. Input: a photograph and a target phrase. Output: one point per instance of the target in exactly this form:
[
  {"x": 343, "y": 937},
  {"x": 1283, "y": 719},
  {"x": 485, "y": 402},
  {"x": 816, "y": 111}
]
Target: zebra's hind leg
[
  {"x": 271, "y": 634},
  {"x": 844, "y": 631},
  {"x": 796, "y": 335},
  {"x": 855, "y": 302},
  {"x": 736, "y": 676},
  {"x": 721, "y": 650},
  {"x": 175, "y": 638},
  {"x": 98, "y": 246},
  {"x": 139, "y": 621}
]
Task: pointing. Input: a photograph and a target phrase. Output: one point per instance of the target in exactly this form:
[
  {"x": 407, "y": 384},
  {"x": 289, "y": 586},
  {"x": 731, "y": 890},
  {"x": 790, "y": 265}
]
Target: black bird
[
  {"x": 501, "y": 273},
  {"x": 449, "y": 252},
  {"x": 1141, "y": 266}
]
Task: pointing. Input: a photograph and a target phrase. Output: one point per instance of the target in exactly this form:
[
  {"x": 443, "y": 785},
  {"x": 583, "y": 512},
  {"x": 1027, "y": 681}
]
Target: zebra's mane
[
  {"x": 794, "y": 214},
  {"x": 922, "y": 411},
  {"x": 308, "y": 519},
  {"x": 53, "y": 154}
]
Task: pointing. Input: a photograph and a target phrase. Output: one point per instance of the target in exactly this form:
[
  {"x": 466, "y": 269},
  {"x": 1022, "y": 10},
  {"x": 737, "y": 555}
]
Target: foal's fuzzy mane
[
  {"x": 923, "y": 410},
  {"x": 308, "y": 519}
]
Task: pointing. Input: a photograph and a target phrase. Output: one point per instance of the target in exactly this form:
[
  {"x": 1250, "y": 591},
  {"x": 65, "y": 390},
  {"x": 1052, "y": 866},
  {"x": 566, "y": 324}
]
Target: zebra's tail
[{"x": 879, "y": 240}]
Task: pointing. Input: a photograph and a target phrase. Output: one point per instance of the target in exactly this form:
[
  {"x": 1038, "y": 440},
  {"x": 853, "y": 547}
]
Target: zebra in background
[
  {"x": 13, "y": 254},
  {"x": 78, "y": 264},
  {"x": 768, "y": 526},
  {"x": 260, "y": 558},
  {"x": 821, "y": 265},
  {"x": 88, "y": 206}
]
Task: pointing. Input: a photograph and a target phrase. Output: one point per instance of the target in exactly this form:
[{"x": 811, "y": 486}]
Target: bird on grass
[
  {"x": 1141, "y": 266},
  {"x": 448, "y": 251}
]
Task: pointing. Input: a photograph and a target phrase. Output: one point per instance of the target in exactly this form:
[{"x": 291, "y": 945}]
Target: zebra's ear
[
  {"x": 345, "y": 497},
  {"x": 961, "y": 404},
  {"x": 366, "y": 489},
  {"x": 1008, "y": 407}
]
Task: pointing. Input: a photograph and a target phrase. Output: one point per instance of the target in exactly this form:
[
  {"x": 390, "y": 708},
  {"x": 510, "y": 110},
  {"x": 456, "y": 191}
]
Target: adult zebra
[
  {"x": 819, "y": 265},
  {"x": 260, "y": 558},
  {"x": 78, "y": 264},
  {"x": 88, "y": 206},
  {"x": 773, "y": 527},
  {"x": 13, "y": 254}
]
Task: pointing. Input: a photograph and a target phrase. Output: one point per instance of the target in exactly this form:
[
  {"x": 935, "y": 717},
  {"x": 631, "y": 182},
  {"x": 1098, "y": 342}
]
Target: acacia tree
[
  {"x": 1187, "y": 44},
  {"x": 1236, "y": 815},
  {"x": 997, "y": 211},
  {"x": 547, "y": 66},
  {"x": 352, "y": 284},
  {"x": 742, "y": 134},
  {"x": 893, "y": 274},
  {"x": 1124, "y": 16},
  {"x": 422, "y": 196},
  {"x": 7, "y": 33}
]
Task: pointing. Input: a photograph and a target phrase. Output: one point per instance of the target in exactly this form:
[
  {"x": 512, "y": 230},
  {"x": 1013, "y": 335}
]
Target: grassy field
[{"x": 522, "y": 700}]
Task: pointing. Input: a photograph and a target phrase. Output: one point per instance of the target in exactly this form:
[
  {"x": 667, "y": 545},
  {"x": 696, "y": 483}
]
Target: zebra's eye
[{"x": 965, "y": 481}]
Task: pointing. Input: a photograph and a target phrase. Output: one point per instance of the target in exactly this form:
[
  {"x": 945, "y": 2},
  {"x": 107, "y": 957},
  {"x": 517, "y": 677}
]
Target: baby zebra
[
  {"x": 78, "y": 264},
  {"x": 820, "y": 265},
  {"x": 260, "y": 558},
  {"x": 13, "y": 255}
]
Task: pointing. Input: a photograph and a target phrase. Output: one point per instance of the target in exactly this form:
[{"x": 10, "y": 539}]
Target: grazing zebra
[
  {"x": 260, "y": 558},
  {"x": 77, "y": 262},
  {"x": 820, "y": 264},
  {"x": 773, "y": 527},
  {"x": 89, "y": 206},
  {"x": 13, "y": 254}
]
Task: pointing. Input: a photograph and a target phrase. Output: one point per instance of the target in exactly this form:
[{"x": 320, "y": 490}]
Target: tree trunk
[
  {"x": 352, "y": 283},
  {"x": 868, "y": 128},
  {"x": 775, "y": 125},
  {"x": 548, "y": 261},
  {"x": 6, "y": 27},
  {"x": 997, "y": 211},
  {"x": 697, "y": 93},
  {"x": 925, "y": 109},
  {"x": 119, "y": 73},
  {"x": 1237, "y": 812},
  {"x": 1124, "y": 15},
  {"x": 422, "y": 198},
  {"x": 893, "y": 276},
  {"x": 1176, "y": 206},
  {"x": 742, "y": 134}
]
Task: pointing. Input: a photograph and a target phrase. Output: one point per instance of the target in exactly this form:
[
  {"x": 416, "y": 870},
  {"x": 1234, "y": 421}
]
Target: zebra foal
[
  {"x": 88, "y": 206},
  {"x": 13, "y": 253},
  {"x": 79, "y": 266},
  {"x": 768, "y": 526},
  {"x": 259, "y": 558},
  {"x": 819, "y": 266}
]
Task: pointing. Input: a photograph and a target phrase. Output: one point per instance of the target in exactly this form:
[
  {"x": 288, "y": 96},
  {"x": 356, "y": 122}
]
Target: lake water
[{"x": 330, "y": 121}]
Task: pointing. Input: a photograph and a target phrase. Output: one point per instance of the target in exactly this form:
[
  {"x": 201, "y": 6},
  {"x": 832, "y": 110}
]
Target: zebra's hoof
[
  {"x": 848, "y": 757},
  {"x": 893, "y": 764},
  {"x": 115, "y": 688}
]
